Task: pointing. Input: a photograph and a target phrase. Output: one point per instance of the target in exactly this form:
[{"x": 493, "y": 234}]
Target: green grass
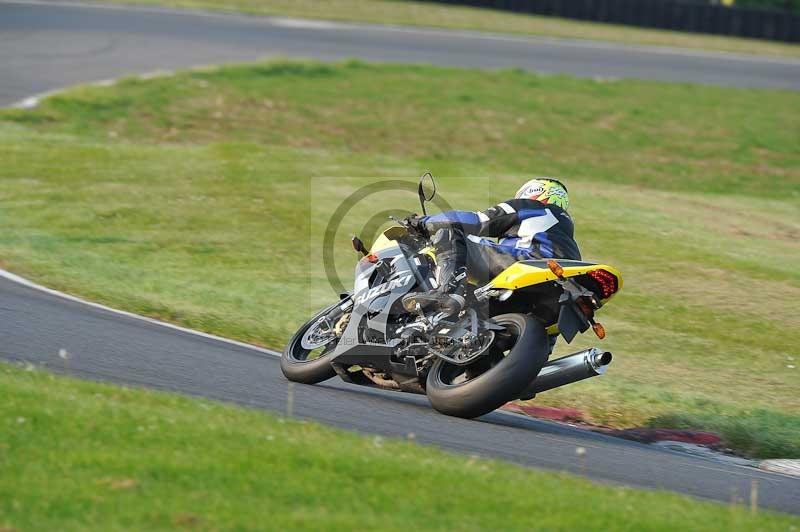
[
  {"x": 744, "y": 433},
  {"x": 77, "y": 455},
  {"x": 187, "y": 198},
  {"x": 460, "y": 17}
]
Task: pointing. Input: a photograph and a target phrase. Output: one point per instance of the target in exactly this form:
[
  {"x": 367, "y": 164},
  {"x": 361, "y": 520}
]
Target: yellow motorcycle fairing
[
  {"x": 389, "y": 238},
  {"x": 529, "y": 273},
  {"x": 535, "y": 272}
]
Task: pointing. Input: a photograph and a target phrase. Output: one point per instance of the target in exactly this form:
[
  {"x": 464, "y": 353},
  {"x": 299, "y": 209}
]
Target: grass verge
[
  {"x": 78, "y": 455},
  {"x": 190, "y": 198},
  {"x": 470, "y": 18}
]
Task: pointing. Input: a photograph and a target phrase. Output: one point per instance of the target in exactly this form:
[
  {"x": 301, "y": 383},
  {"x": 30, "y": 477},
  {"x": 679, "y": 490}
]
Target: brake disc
[{"x": 314, "y": 338}]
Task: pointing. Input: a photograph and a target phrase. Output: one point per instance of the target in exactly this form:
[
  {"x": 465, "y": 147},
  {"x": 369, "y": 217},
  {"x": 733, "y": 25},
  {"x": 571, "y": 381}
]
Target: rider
[{"x": 533, "y": 225}]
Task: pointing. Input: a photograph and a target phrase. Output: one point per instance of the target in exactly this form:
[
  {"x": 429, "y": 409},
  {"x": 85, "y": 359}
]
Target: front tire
[
  {"x": 494, "y": 379},
  {"x": 307, "y": 366}
]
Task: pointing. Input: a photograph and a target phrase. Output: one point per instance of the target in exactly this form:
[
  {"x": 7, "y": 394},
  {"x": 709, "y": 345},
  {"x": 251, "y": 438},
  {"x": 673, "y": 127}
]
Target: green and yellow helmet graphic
[{"x": 545, "y": 190}]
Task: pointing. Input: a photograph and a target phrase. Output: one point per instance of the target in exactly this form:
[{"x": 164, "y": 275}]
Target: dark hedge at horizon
[
  {"x": 776, "y": 20},
  {"x": 788, "y": 5}
]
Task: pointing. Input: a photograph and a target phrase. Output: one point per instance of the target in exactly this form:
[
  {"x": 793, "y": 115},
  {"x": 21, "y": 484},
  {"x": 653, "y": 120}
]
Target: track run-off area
[{"x": 47, "y": 46}]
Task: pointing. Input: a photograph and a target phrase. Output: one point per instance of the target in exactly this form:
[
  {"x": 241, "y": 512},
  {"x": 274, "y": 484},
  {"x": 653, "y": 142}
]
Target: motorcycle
[{"x": 494, "y": 351}]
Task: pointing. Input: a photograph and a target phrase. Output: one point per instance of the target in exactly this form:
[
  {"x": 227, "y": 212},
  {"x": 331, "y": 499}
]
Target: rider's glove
[{"x": 417, "y": 224}]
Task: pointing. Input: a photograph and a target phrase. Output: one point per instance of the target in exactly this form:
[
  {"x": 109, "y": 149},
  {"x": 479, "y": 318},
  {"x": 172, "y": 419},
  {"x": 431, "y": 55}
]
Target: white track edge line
[
  {"x": 30, "y": 284},
  {"x": 4, "y": 274},
  {"x": 33, "y": 101}
]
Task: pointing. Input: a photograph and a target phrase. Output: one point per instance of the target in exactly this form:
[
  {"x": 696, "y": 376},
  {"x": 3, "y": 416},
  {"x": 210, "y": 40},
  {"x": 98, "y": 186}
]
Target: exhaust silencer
[{"x": 568, "y": 369}]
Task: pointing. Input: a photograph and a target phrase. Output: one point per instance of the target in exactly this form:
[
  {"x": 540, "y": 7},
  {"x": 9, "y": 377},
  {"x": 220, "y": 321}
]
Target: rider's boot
[{"x": 449, "y": 296}]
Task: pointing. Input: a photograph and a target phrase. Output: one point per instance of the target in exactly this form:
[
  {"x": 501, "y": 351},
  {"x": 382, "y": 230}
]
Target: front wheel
[
  {"x": 306, "y": 357},
  {"x": 514, "y": 360}
]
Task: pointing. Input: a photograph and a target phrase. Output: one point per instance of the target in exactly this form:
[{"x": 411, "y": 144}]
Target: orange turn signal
[
  {"x": 599, "y": 330},
  {"x": 555, "y": 268}
]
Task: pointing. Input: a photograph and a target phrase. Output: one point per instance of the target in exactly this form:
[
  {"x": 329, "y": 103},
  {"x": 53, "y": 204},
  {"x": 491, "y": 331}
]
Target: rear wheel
[
  {"x": 514, "y": 360},
  {"x": 306, "y": 358}
]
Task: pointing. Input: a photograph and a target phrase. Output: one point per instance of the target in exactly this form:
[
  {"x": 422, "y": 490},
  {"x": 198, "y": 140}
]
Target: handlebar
[{"x": 412, "y": 232}]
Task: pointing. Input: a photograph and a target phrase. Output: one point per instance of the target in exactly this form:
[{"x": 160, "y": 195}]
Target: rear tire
[
  {"x": 495, "y": 386},
  {"x": 295, "y": 368}
]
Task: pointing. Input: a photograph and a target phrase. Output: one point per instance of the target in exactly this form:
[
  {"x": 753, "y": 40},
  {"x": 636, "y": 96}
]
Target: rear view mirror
[
  {"x": 359, "y": 246},
  {"x": 426, "y": 190}
]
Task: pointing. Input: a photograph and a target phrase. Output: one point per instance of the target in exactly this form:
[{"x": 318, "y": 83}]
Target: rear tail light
[{"x": 606, "y": 280}]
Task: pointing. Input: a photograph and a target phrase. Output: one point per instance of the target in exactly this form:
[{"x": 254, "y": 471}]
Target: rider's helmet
[{"x": 545, "y": 190}]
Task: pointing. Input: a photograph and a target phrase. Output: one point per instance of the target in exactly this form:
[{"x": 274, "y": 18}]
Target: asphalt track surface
[
  {"x": 35, "y": 327},
  {"x": 43, "y": 47}
]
